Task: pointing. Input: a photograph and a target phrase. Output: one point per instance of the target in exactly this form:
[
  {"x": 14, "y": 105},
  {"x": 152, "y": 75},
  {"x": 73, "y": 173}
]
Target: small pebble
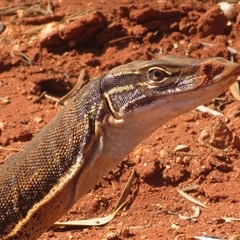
[
  {"x": 38, "y": 119},
  {"x": 24, "y": 121},
  {"x": 182, "y": 148},
  {"x": 111, "y": 236},
  {"x": 179, "y": 160},
  {"x": 228, "y": 10},
  {"x": 6, "y": 100},
  {"x": 163, "y": 153},
  {"x": 175, "y": 226}
]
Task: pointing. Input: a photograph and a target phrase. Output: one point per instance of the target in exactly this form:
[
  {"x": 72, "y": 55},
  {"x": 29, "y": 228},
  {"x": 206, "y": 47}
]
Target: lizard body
[{"x": 100, "y": 125}]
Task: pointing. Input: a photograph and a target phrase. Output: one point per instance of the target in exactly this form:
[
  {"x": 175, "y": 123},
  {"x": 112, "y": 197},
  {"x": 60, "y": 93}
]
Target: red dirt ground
[{"x": 106, "y": 35}]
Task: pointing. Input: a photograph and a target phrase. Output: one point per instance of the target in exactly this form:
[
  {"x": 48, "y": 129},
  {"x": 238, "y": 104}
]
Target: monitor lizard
[{"x": 99, "y": 126}]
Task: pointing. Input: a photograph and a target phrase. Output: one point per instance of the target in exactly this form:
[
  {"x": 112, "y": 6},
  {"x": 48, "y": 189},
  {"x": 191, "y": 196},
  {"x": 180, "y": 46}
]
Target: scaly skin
[{"x": 101, "y": 125}]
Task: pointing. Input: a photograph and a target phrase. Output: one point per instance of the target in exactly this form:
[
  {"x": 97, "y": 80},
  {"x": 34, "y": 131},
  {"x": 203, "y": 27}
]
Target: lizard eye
[
  {"x": 156, "y": 74},
  {"x": 159, "y": 77}
]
